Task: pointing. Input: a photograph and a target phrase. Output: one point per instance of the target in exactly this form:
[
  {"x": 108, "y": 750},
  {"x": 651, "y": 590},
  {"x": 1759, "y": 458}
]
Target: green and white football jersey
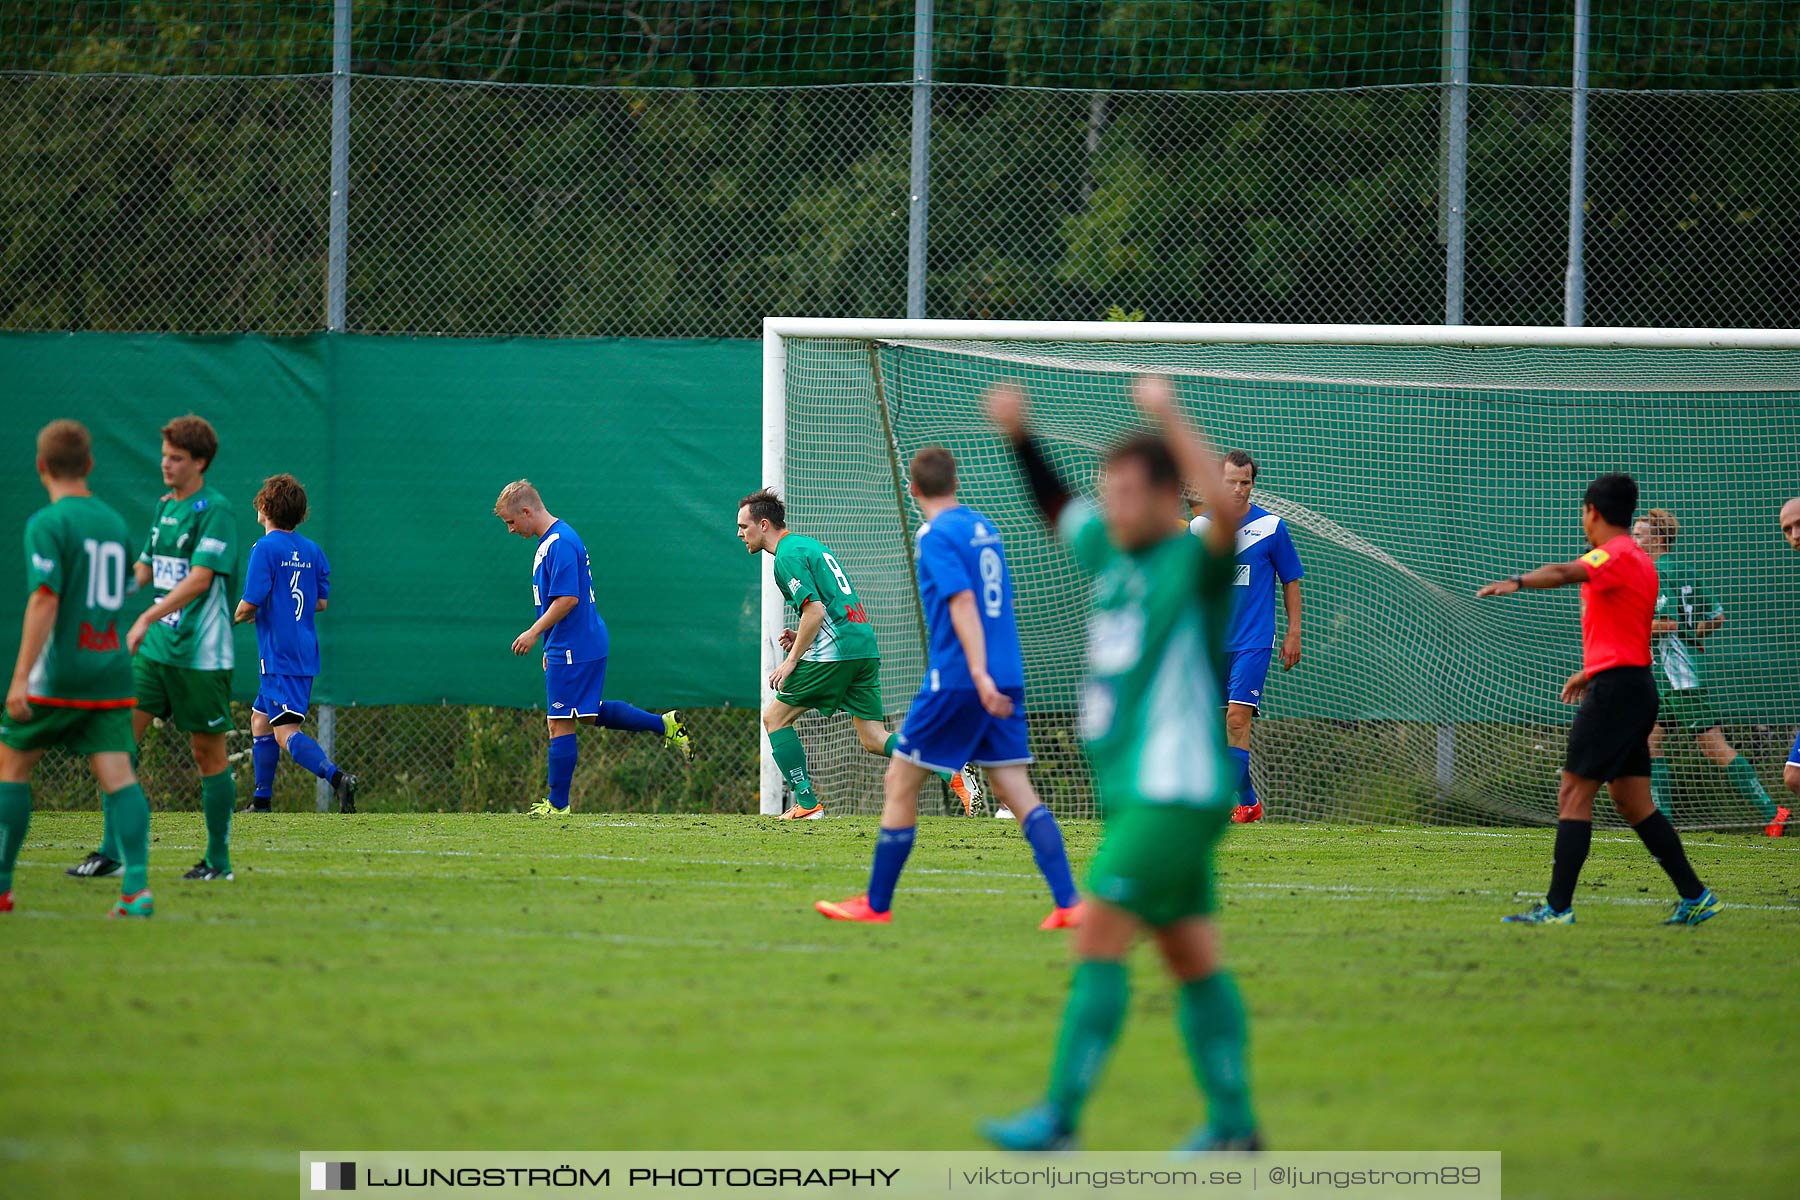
[
  {"x": 199, "y": 531},
  {"x": 805, "y": 570},
  {"x": 1680, "y": 598},
  {"x": 76, "y": 549},
  {"x": 1150, "y": 706}
]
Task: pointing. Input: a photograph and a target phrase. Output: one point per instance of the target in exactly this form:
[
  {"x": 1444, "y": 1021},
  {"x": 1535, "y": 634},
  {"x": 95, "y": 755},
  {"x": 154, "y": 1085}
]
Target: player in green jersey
[
  {"x": 1165, "y": 782},
  {"x": 183, "y": 641},
  {"x": 833, "y": 661},
  {"x": 71, "y": 685},
  {"x": 1685, "y": 617}
]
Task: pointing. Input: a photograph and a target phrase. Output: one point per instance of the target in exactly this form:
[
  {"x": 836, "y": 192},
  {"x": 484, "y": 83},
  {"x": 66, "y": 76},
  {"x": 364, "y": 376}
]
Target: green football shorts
[
  {"x": 853, "y": 685},
  {"x": 81, "y": 731},
  {"x": 1689, "y": 709},
  {"x": 1155, "y": 861},
  {"x": 195, "y": 701}
]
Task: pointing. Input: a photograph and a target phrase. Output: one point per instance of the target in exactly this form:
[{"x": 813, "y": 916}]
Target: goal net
[{"x": 1411, "y": 465}]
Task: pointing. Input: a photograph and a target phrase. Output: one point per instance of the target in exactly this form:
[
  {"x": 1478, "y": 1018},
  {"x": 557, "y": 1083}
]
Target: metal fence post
[
  {"x": 1575, "y": 283},
  {"x": 1455, "y": 181},
  {"x": 336, "y": 269},
  {"x": 918, "y": 226}
]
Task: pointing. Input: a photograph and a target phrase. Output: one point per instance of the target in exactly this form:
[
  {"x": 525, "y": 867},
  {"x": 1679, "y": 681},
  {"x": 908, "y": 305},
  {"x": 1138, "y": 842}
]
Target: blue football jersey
[
  {"x": 960, "y": 551},
  {"x": 286, "y": 578},
  {"x": 1265, "y": 556},
  {"x": 561, "y": 568}
]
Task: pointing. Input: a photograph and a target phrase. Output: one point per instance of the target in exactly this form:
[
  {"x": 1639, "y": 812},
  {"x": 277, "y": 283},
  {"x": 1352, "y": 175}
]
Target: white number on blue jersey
[
  {"x": 992, "y": 575},
  {"x": 298, "y": 595}
]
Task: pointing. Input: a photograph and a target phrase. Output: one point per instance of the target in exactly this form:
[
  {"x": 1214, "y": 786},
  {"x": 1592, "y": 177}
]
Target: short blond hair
[
  {"x": 1663, "y": 525},
  {"x": 517, "y": 495}
]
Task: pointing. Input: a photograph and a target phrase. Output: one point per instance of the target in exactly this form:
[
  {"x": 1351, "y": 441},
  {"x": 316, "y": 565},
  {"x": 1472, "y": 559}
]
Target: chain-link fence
[{"x": 683, "y": 168}]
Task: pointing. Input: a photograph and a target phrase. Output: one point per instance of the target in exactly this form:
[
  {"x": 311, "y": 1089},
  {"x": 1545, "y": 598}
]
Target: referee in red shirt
[{"x": 1610, "y": 740}]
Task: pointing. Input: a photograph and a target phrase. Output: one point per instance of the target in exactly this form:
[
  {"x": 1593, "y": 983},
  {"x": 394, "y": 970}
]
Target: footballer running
[
  {"x": 1265, "y": 557},
  {"x": 575, "y": 643},
  {"x": 1685, "y": 617},
  {"x": 72, "y": 682},
  {"x": 1162, "y": 777},
  {"x": 970, "y": 707},
  {"x": 1609, "y": 741},
  {"x": 287, "y": 581},
  {"x": 833, "y": 660}
]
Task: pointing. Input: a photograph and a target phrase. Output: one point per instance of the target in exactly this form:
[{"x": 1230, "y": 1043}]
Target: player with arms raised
[
  {"x": 575, "y": 643},
  {"x": 1162, "y": 777},
  {"x": 833, "y": 659},
  {"x": 1685, "y": 617},
  {"x": 1609, "y": 742},
  {"x": 183, "y": 643},
  {"x": 1265, "y": 557},
  {"x": 287, "y": 580},
  {"x": 71, "y": 685},
  {"x": 971, "y": 707}
]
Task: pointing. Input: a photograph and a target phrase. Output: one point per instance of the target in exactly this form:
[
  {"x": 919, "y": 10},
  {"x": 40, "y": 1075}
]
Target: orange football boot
[
  {"x": 854, "y": 909},
  {"x": 1063, "y": 918}
]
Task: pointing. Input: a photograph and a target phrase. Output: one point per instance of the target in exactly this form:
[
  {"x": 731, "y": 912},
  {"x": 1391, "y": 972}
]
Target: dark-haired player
[
  {"x": 182, "y": 642},
  {"x": 1265, "y": 558},
  {"x": 1609, "y": 742},
  {"x": 971, "y": 706},
  {"x": 575, "y": 643},
  {"x": 286, "y": 581},
  {"x": 1164, "y": 782},
  {"x": 833, "y": 657},
  {"x": 71, "y": 684}
]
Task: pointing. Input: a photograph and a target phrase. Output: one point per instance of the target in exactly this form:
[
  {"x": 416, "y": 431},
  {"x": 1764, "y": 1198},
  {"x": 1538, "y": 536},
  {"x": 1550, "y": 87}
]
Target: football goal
[{"x": 1411, "y": 464}]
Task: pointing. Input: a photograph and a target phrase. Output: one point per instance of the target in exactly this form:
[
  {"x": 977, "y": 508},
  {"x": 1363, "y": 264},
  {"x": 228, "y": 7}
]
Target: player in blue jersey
[
  {"x": 971, "y": 707},
  {"x": 1790, "y": 774},
  {"x": 287, "y": 581},
  {"x": 1265, "y": 557},
  {"x": 575, "y": 643}
]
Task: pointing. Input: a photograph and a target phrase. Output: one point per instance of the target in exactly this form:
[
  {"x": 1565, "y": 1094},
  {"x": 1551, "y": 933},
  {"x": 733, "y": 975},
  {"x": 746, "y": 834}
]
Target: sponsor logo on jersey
[
  {"x": 42, "y": 565},
  {"x": 167, "y": 570},
  {"x": 211, "y": 545},
  {"x": 200, "y": 505},
  {"x": 855, "y": 614},
  {"x": 98, "y": 640}
]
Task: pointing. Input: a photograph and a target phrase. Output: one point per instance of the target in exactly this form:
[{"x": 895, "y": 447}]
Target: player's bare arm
[
  {"x": 560, "y": 607},
  {"x": 245, "y": 611},
  {"x": 141, "y": 573},
  {"x": 812, "y": 619},
  {"x": 1551, "y": 575},
  {"x": 1155, "y": 398},
  {"x": 1290, "y": 644},
  {"x": 40, "y": 619},
  {"x": 198, "y": 580},
  {"x": 966, "y": 620}
]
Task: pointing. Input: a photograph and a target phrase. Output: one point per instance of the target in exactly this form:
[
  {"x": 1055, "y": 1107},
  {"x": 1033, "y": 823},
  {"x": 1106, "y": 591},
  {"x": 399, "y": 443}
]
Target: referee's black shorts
[{"x": 1610, "y": 738}]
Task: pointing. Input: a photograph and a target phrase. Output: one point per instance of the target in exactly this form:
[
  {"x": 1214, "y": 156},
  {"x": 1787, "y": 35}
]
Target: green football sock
[
  {"x": 109, "y": 841},
  {"x": 15, "y": 819},
  {"x": 1098, "y": 996},
  {"x": 1743, "y": 778},
  {"x": 790, "y": 757},
  {"x": 128, "y": 813},
  {"x": 1659, "y": 784},
  {"x": 218, "y": 796},
  {"x": 1212, "y": 1020}
]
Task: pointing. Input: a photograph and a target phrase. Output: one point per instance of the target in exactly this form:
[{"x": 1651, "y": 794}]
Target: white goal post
[{"x": 781, "y": 333}]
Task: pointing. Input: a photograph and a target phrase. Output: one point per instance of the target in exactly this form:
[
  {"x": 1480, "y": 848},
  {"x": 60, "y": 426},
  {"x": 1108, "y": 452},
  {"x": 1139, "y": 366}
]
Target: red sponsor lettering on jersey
[
  {"x": 855, "y": 615},
  {"x": 102, "y": 641}
]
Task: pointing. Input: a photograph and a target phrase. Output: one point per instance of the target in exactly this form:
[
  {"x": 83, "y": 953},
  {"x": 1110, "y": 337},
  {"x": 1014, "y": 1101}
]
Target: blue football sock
[
  {"x": 264, "y": 755},
  {"x": 562, "y": 769},
  {"x": 891, "y": 848},
  {"x": 309, "y": 754},
  {"x": 616, "y": 714},
  {"x": 1046, "y": 839},
  {"x": 1246, "y": 789}
]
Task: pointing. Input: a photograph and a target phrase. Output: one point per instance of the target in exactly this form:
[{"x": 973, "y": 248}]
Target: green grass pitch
[{"x": 491, "y": 982}]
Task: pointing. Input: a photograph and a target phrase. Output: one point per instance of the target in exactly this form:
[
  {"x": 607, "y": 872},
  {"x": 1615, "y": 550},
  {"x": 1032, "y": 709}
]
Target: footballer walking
[
  {"x": 286, "y": 582},
  {"x": 1163, "y": 781},
  {"x": 182, "y": 642},
  {"x": 833, "y": 659},
  {"x": 971, "y": 707},
  {"x": 1609, "y": 741},
  {"x": 575, "y": 643},
  {"x": 72, "y": 684}
]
